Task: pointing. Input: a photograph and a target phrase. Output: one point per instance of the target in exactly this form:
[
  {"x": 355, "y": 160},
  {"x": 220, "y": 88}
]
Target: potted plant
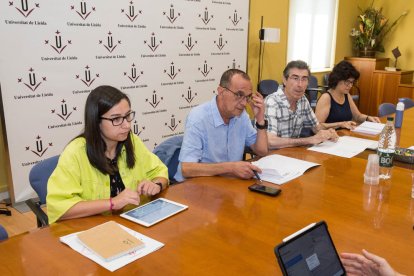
[{"x": 372, "y": 29}]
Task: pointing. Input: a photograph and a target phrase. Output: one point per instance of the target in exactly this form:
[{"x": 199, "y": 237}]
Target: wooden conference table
[{"x": 230, "y": 230}]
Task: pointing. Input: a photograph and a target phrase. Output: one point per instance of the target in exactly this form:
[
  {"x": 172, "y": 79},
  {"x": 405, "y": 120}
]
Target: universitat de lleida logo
[
  {"x": 155, "y": 100},
  {"x": 189, "y": 96},
  {"x": 39, "y": 148},
  {"x": 31, "y": 81},
  {"x": 205, "y": 69},
  {"x": 130, "y": 12},
  {"x": 152, "y": 43},
  {"x": 87, "y": 77},
  {"x": 134, "y": 74},
  {"x": 172, "y": 71},
  {"x": 57, "y": 43},
  {"x": 205, "y": 16},
  {"x": 172, "y": 15},
  {"x": 136, "y": 129},
  {"x": 189, "y": 43},
  {"x": 83, "y": 10},
  {"x": 110, "y": 46},
  {"x": 235, "y": 19},
  {"x": 234, "y": 65},
  {"x": 62, "y": 112},
  {"x": 173, "y": 123},
  {"x": 25, "y": 8}
]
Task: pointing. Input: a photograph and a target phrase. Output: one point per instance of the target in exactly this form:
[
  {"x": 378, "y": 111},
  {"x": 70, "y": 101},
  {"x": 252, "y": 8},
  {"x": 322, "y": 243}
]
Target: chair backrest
[
  {"x": 312, "y": 91},
  {"x": 267, "y": 87},
  {"x": 168, "y": 152},
  {"x": 386, "y": 109},
  {"x": 3, "y": 234},
  {"x": 39, "y": 175},
  {"x": 408, "y": 103}
]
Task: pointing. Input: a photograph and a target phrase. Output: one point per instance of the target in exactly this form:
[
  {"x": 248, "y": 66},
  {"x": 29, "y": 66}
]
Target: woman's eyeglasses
[{"x": 117, "y": 121}]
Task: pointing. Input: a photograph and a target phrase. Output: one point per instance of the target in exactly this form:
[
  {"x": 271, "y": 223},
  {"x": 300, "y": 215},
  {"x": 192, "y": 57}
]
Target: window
[{"x": 312, "y": 31}]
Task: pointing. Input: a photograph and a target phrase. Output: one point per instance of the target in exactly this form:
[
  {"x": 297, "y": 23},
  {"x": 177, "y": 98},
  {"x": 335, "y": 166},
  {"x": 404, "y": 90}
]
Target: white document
[
  {"x": 346, "y": 146},
  {"x": 150, "y": 246},
  {"x": 369, "y": 128},
  {"x": 279, "y": 169}
]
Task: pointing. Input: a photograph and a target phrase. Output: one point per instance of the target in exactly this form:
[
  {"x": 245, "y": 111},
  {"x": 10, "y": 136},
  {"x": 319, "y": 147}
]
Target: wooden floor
[{"x": 18, "y": 222}]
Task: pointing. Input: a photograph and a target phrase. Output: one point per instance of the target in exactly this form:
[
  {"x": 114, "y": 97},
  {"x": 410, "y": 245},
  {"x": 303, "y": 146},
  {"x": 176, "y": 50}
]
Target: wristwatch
[
  {"x": 262, "y": 126},
  {"x": 159, "y": 184}
]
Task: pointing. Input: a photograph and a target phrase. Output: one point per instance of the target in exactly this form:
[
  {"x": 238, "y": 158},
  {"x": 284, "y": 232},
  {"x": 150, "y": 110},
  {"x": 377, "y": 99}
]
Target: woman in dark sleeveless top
[{"x": 336, "y": 109}]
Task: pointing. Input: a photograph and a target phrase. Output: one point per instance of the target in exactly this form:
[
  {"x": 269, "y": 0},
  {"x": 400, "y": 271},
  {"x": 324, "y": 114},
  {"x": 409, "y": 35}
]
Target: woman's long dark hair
[{"x": 99, "y": 101}]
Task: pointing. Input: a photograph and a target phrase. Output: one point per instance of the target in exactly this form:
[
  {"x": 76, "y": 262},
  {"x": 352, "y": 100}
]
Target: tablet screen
[
  {"x": 154, "y": 211},
  {"x": 311, "y": 252}
]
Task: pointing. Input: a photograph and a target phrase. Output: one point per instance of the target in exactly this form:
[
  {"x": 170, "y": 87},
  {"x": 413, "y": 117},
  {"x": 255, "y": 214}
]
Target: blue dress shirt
[{"x": 207, "y": 139}]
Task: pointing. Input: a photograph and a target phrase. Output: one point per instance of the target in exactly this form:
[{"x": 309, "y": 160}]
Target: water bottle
[
  {"x": 399, "y": 113},
  {"x": 386, "y": 149}
]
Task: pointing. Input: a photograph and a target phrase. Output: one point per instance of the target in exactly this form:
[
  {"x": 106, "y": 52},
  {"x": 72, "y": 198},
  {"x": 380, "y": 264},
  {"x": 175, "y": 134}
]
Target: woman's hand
[
  {"x": 348, "y": 125},
  {"x": 127, "y": 196},
  {"x": 147, "y": 187}
]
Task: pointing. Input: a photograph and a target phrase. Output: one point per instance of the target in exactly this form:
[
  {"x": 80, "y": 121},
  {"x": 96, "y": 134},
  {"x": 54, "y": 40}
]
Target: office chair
[
  {"x": 168, "y": 152},
  {"x": 267, "y": 87},
  {"x": 385, "y": 109},
  {"x": 3, "y": 234},
  {"x": 312, "y": 91},
  {"x": 38, "y": 177},
  {"x": 408, "y": 103}
]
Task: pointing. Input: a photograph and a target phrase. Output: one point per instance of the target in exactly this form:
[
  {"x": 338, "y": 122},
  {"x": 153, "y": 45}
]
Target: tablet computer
[
  {"x": 154, "y": 211},
  {"x": 310, "y": 251}
]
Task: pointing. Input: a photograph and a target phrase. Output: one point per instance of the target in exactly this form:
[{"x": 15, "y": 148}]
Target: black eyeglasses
[
  {"x": 349, "y": 82},
  {"x": 240, "y": 95},
  {"x": 117, "y": 121}
]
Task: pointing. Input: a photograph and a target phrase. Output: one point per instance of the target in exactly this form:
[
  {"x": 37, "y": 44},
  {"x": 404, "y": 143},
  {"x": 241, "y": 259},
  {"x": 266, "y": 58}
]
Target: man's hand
[
  {"x": 243, "y": 169},
  {"x": 258, "y": 107},
  {"x": 366, "y": 264},
  {"x": 323, "y": 135}
]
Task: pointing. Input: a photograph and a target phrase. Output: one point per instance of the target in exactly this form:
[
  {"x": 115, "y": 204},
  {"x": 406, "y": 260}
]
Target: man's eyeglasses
[
  {"x": 349, "y": 82},
  {"x": 240, "y": 95},
  {"x": 117, "y": 121},
  {"x": 298, "y": 79}
]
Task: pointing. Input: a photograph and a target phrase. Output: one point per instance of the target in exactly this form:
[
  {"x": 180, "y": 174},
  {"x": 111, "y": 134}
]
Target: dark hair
[
  {"x": 298, "y": 64},
  {"x": 226, "y": 77},
  {"x": 100, "y": 100},
  {"x": 342, "y": 71}
]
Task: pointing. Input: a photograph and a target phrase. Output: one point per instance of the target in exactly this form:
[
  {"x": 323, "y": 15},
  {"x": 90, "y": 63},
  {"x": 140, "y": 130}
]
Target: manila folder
[{"x": 109, "y": 240}]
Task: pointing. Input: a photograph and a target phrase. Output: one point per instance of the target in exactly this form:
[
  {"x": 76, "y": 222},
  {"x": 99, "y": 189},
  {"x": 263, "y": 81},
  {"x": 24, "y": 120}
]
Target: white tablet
[{"x": 154, "y": 211}]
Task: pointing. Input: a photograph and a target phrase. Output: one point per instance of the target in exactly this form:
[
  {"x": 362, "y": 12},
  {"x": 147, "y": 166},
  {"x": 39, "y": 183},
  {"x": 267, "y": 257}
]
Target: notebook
[
  {"x": 310, "y": 251},
  {"x": 109, "y": 241}
]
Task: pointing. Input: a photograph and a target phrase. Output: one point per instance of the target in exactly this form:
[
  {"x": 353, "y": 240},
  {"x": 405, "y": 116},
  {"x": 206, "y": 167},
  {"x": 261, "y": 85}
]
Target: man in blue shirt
[{"x": 217, "y": 131}]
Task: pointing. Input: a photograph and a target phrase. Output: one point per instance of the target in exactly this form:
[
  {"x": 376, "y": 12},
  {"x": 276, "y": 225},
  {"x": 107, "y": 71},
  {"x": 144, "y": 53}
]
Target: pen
[{"x": 257, "y": 176}]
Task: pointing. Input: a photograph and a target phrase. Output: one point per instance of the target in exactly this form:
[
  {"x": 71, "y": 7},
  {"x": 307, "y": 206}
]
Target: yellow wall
[
  {"x": 402, "y": 35},
  {"x": 276, "y": 15},
  {"x": 3, "y": 162}
]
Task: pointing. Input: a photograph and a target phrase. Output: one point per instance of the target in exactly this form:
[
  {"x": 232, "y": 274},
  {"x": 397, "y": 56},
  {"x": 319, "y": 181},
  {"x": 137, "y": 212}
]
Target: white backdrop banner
[{"x": 168, "y": 56}]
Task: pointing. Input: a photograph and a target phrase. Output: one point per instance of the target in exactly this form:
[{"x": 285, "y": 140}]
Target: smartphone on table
[{"x": 264, "y": 189}]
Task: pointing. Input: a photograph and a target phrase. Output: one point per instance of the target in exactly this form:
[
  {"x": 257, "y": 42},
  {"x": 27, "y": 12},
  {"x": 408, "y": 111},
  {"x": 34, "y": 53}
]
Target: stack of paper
[
  {"x": 346, "y": 146},
  {"x": 115, "y": 263},
  {"x": 369, "y": 128},
  {"x": 280, "y": 169}
]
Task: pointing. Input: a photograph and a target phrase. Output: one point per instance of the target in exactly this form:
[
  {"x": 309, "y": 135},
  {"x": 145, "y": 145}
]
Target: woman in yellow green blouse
[{"x": 106, "y": 167}]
